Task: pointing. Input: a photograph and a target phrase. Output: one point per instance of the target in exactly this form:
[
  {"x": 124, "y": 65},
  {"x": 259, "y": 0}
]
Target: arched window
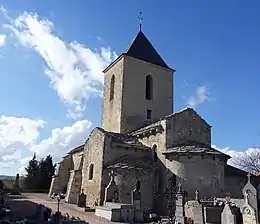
[
  {"x": 91, "y": 172},
  {"x": 112, "y": 87},
  {"x": 148, "y": 87},
  {"x": 154, "y": 153}
]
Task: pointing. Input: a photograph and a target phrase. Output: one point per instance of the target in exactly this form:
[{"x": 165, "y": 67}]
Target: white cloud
[
  {"x": 19, "y": 129},
  {"x": 16, "y": 133},
  {"x": 2, "y": 40},
  {"x": 19, "y": 134},
  {"x": 201, "y": 96},
  {"x": 63, "y": 139},
  {"x": 248, "y": 159},
  {"x": 74, "y": 70}
]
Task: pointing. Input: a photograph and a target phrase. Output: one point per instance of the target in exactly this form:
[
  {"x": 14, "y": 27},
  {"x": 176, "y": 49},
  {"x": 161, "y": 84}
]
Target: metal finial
[{"x": 140, "y": 17}]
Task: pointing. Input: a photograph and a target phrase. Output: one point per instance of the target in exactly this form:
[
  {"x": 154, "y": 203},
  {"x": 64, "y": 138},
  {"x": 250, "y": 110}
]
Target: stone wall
[
  {"x": 126, "y": 182},
  {"x": 113, "y": 151},
  {"x": 151, "y": 139},
  {"x": 234, "y": 186},
  {"x": 99, "y": 150},
  {"x": 76, "y": 160},
  {"x": 74, "y": 186},
  {"x": 111, "y": 115},
  {"x": 93, "y": 154},
  {"x": 187, "y": 126},
  {"x": 235, "y": 180},
  {"x": 196, "y": 173},
  {"x": 134, "y": 104},
  {"x": 55, "y": 186},
  {"x": 64, "y": 171},
  {"x": 61, "y": 177},
  {"x": 128, "y": 110},
  {"x": 75, "y": 179}
]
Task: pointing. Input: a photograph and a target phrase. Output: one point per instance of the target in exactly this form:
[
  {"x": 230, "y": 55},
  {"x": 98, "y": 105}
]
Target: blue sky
[{"x": 53, "y": 52}]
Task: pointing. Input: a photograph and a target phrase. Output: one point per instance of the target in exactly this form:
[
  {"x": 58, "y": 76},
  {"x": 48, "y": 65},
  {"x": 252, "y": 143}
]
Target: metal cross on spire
[{"x": 140, "y": 17}]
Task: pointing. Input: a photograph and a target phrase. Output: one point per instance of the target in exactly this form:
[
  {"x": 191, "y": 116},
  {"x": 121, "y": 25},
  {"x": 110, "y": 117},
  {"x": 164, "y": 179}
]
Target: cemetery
[
  {"x": 158, "y": 166},
  {"x": 199, "y": 210},
  {"x": 146, "y": 163}
]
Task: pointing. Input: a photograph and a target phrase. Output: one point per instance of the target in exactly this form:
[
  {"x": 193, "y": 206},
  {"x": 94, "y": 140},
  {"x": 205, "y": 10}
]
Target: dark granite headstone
[
  {"x": 82, "y": 200},
  {"x": 136, "y": 195},
  {"x": 136, "y": 198},
  {"x": 16, "y": 188}
]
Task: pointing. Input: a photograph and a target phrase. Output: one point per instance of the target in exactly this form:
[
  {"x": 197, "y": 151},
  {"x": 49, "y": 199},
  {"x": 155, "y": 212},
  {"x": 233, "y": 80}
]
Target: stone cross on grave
[
  {"x": 196, "y": 195},
  {"x": 249, "y": 177}
]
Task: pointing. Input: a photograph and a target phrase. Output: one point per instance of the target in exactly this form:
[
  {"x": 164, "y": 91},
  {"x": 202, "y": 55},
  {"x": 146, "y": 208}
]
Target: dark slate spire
[{"x": 142, "y": 49}]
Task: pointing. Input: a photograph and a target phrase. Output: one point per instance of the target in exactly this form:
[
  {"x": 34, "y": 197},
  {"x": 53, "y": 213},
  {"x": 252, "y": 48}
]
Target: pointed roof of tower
[{"x": 142, "y": 49}]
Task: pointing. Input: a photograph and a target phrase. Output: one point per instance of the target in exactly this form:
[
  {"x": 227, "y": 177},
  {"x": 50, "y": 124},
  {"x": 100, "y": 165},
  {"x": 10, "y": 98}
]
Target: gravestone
[
  {"x": 248, "y": 212},
  {"x": 17, "y": 180},
  {"x": 249, "y": 215},
  {"x": 127, "y": 213},
  {"x": 227, "y": 215},
  {"x": 194, "y": 210},
  {"x": 16, "y": 187},
  {"x": 179, "y": 212},
  {"x": 251, "y": 193},
  {"x": 82, "y": 200},
  {"x": 136, "y": 195},
  {"x": 112, "y": 190}
]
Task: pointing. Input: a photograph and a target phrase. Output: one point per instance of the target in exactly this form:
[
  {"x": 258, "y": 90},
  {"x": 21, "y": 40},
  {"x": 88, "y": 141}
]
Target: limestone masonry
[{"x": 144, "y": 143}]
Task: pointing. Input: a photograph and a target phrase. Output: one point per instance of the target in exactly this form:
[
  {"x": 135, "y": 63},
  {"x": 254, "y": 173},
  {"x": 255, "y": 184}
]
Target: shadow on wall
[{"x": 153, "y": 179}]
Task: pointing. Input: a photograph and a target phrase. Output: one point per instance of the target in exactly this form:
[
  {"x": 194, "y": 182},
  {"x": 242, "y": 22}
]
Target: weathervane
[{"x": 140, "y": 17}]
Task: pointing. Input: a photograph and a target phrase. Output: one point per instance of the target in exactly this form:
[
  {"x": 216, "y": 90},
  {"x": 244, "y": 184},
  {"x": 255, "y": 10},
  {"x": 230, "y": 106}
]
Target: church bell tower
[{"x": 138, "y": 88}]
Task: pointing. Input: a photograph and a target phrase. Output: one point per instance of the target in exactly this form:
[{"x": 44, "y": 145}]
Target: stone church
[{"x": 144, "y": 141}]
